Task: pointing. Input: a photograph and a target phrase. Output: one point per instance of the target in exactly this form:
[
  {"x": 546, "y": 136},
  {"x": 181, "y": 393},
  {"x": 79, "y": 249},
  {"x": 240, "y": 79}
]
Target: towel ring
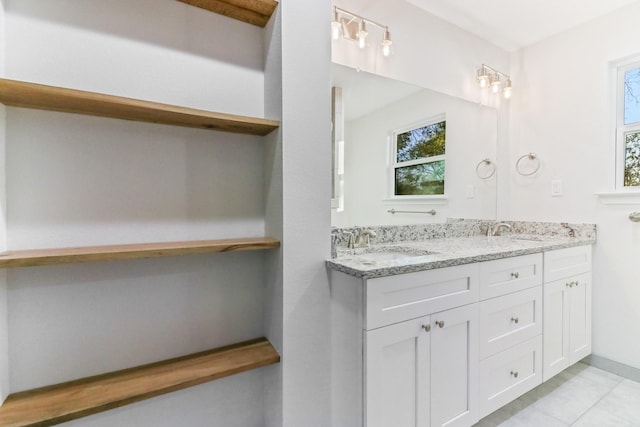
[
  {"x": 530, "y": 156},
  {"x": 486, "y": 162}
]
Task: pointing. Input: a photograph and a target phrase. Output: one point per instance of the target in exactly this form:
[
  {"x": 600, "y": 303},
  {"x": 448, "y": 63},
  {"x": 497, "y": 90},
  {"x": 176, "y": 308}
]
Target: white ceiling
[{"x": 513, "y": 24}]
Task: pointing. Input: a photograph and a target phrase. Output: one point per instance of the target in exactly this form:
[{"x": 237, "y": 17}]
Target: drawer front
[
  {"x": 507, "y": 275},
  {"x": 509, "y": 320},
  {"x": 567, "y": 262},
  {"x": 510, "y": 374},
  {"x": 397, "y": 298}
]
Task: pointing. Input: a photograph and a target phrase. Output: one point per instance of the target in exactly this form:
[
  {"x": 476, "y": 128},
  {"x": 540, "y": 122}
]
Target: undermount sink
[
  {"x": 387, "y": 256},
  {"x": 391, "y": 254},
  {"x": 530, "y": 238}
]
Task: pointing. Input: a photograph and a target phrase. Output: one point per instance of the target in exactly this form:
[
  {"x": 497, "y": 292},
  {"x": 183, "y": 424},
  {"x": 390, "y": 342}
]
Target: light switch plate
[
  {"x": 556, "y": 187},
  {"x": 471, "y": 191}
]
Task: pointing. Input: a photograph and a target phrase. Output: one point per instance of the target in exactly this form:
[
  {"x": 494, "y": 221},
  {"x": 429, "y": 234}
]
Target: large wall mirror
[{"x": 408, "y": 155}]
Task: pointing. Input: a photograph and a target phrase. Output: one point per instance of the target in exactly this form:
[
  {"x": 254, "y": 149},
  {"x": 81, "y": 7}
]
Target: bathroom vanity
[{"x": 445, "y": 331}]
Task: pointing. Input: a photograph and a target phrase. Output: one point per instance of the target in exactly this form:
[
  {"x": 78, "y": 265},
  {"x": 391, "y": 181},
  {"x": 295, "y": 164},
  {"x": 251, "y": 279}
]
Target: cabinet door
[
  {"x": 580, "y": 318},
  {"x": 397, "y": 375},
  {"x": 555, "y": 328},
  {"x": 454, "y": 367}
]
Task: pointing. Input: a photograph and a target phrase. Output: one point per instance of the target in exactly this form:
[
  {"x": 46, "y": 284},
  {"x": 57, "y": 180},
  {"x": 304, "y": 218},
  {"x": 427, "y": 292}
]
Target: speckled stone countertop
[{"x": 397, "y": 257}]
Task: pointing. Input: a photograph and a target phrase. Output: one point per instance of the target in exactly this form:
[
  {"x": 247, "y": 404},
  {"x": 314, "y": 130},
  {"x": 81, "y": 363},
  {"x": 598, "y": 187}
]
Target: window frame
[
  {"x": 393, "y": 160},
  {"x": 621, "y": 129}
]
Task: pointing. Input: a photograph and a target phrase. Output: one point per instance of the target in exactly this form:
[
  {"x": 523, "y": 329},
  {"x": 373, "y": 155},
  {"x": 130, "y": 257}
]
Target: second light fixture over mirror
[
  {"x": 496, "y": 80},
  {"x": 351, "y": 26}
]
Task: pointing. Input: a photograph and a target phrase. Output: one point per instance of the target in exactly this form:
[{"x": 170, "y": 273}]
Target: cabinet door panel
[
  {"x": 580, "y": 318},
  {"x": 555, "y": 328},
  {"x": 454, "y": 367},
  {"x": 397, "y": 375}
]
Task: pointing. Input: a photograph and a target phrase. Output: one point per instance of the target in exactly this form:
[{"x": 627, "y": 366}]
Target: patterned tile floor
[{"x": 581, "y": 396}]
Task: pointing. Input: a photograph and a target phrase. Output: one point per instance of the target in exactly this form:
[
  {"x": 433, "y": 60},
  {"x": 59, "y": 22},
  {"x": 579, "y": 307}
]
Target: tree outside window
[
  {"x": 419, "y": 164},
  {"x": 629, "y": 125}
]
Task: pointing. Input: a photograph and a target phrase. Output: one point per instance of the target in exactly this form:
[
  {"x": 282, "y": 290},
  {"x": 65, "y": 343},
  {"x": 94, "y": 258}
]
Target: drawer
[
  {"x": 397, "y": 298},
  {"x": 509, "y": 320},
  {"x": 510, "y": 374},
  {"x": 567, "y": 262},
  {"x": 507, "y": 275}
]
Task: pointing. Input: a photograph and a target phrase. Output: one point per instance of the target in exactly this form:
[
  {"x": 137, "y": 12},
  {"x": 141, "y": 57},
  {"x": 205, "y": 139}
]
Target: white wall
[
  {"x": 77, "y": 180},
  {"x": 306, "y": 136},
  {"x": 4, "y": 327},
  {"x": 471, "y": 137},
  {"x": 562, "y": 111}
]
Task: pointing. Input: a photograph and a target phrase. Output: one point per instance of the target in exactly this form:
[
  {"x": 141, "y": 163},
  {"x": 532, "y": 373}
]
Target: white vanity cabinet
[
  {"x": 417, "y": 359},
  {"x": 448, "y": 346},
  {"x": 423, "y": 372},
  {"x": 567, "y": 308}
]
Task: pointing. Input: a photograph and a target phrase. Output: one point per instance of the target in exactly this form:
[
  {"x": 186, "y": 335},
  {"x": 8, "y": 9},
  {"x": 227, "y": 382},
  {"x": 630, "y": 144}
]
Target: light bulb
[
  {"x": 483, "y": 78},
  {"x": 362, "y": 35},
  {"x": 336, "y": 26},
  {"x": 495, "y": 83},
  {"x": 506, "y": 91},
  {"x": 386, "y": 43}
]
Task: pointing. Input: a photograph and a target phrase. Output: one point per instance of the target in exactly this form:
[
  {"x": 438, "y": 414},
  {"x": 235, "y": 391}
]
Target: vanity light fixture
[
  {"x": 499, "y": 82},
  {"x": 351, "y": 26}
]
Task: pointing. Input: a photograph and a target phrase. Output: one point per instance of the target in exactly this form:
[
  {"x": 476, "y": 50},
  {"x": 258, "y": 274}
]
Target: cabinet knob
[
  {"x": 576, "y": 283},
  {"x": 515, "y": 374},
  {"x": 570, "y": 285},
  {"x": 515, "y": 275},
  {"x": 515, "y": 320},
  {"x": 440, "y": 323},
  {"x": 426, "y": 328}
]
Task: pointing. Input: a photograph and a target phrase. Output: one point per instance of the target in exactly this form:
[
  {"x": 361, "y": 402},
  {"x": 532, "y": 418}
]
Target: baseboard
[{"x": 614, "y": 367}]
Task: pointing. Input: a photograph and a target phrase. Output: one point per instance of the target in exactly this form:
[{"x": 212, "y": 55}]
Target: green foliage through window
[
  {"x": 632, "y": 160},
  {"x": 419, "y": 168}
]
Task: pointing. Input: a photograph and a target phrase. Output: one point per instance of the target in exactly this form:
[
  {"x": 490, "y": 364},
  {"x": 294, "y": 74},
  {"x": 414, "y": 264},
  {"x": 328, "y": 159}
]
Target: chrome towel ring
[
  {"x": 531, "y": 157},
  {"x": 489, "y": 165}
]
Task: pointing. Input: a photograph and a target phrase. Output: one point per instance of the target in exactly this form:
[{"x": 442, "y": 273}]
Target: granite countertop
[{"x": 409, "y": 256}]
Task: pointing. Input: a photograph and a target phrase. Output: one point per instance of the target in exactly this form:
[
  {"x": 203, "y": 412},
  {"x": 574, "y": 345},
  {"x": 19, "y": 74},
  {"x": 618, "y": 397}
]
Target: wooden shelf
[
  {"x": 34, "y": 257},
  {"x": 64, "y": 402},
  {"x": 256, "y": 12},
  {"x": 31, "y": 95}
]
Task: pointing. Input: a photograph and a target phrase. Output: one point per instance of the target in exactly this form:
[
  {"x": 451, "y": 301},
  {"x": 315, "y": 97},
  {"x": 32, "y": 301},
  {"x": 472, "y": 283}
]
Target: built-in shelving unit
[
  {"x": 255, "y": 12},
  {"x": 60, "y": 403},
  {"x": 64, "y": 402},
  {"x": 35, "y": 257},
  {"x": 42, "y": 97}
]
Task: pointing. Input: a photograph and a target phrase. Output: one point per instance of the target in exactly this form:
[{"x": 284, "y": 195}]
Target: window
[
  {"x": 418, "y": 159},
  {"x": 628, "y": 127}
]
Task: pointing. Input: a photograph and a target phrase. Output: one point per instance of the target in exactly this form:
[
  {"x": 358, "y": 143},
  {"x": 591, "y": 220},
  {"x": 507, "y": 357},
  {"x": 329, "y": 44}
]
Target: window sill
[
  {"x": 619, "y": 197},
  {"x": 423, "y": 200}
]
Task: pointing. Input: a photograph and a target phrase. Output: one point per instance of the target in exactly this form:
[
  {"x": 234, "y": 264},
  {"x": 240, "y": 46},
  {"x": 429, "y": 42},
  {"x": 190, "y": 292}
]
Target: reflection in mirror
[{"x": 401, "y": 152}]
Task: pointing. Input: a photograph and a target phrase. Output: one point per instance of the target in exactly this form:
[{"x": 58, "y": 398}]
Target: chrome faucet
[
  {"x": 497, "y": 229},
  {"x": 364, "y": 238}
]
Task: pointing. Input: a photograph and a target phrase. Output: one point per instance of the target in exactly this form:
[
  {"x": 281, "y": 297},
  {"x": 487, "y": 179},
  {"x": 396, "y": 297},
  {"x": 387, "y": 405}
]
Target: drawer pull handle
[
  {"x": 515, "y": 320},
  {"x": 515, "y": 374},
  {"x": 515, "y": 275},
  {"x": 576, "y": 283},
  {"x": 426, "y": 328},
  {"x": 440, "y": 323}
]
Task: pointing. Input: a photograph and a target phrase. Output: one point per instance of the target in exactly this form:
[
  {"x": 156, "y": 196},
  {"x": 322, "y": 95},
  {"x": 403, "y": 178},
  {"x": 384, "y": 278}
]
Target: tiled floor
[{"x": 581, "y": 396}]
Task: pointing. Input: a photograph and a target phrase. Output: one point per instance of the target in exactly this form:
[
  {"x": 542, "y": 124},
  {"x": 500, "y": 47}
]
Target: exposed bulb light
[
  {"x": 506, "y": 91},
  {"x": 495, "y": 83},
  {"x": 362, "y": 35},
  {"x": 483, "y": 77},
  {"x": 499, "y": 82},
  {"x": 386, "y": 43},
  {"x": 350, "y": 26},
  {"x": 336, "y": 26}
]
